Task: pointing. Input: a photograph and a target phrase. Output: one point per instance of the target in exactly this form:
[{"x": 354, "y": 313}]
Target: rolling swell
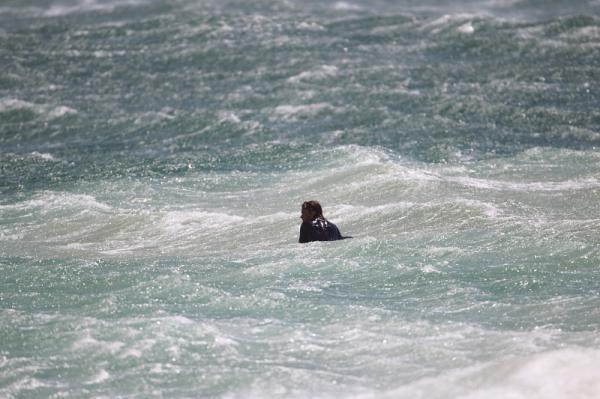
[
  {"x": 476, "y": 86},
  {"x": 142, "y": 277}
]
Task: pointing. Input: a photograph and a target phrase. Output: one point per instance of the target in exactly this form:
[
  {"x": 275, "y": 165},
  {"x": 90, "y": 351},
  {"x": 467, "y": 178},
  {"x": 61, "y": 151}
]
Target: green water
[{"x": 154, "y": 156}]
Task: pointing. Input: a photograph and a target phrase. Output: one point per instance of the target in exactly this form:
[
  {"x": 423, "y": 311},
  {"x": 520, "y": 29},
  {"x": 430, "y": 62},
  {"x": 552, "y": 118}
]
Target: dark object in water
[
  {"x": 314, "y": 225},
  {"x": 319, "y": 229}
]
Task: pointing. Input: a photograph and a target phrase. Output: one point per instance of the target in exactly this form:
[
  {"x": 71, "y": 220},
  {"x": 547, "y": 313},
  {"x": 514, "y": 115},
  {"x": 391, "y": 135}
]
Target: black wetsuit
[{"x": 319, "y": 229}]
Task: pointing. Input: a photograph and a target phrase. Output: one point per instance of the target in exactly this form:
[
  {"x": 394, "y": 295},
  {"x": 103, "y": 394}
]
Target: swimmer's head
[{"x": 311, "y": 210}]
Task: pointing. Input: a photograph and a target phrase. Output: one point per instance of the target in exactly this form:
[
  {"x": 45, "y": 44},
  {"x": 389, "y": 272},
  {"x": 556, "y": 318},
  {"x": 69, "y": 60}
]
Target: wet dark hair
[{"x": 313, "y": 206}]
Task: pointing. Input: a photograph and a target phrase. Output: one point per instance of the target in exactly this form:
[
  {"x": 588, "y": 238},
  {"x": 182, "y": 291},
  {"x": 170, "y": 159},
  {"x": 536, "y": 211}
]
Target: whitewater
[{"x": 154, "y": 156}]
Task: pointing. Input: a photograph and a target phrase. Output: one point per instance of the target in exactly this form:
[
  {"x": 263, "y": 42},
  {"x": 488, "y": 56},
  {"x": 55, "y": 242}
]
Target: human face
[{"x": 308, "y": 215}]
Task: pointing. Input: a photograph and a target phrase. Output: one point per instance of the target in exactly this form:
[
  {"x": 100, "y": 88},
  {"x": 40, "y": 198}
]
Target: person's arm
[{"x": 305, "y": 233}]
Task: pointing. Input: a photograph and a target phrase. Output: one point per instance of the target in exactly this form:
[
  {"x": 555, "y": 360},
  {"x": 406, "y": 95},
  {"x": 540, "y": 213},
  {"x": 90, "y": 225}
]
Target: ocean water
[{"x": 154, "y": 156}]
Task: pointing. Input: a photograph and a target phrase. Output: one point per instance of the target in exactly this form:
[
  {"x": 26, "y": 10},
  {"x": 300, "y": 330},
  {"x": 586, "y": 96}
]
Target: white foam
[
  {"x": 108, "y": 54},
  {"x": 559, "y": 44},
  {"x": 293, "y": 111},
  {"x": 466, "y": 28},
  {"x": 488, "y": 209},
  {"x": 585, "y": 33},
  {"x": 322, "y": 72},
  {"x": 569, "y": 373},
  {"x": 364, "y": 156},
  {"x": 437, "y": 25},
  {"x": 20, "y": 10},
  {"x": 58, "y": 9},
  {"x": 179, "y": 220},
  {"x": 27, "y": 383},
  {"x": 345, "y": 212},
  {"x": 429, "y": 269},
  {"x": 44, "y": 156},
  {"x": 550, "y": 186},
  {"x": 138, "y": 348},
  {"x": 49, "y": 111},
  {"x": 180, "y": 320},
  {"x": 134, "y": 353},
  {"x": 311, "y": 26},
  {"x": 52, "y": 200},
  {"x": 228, "y": 117},
  {"x": 345, "y": 6},
  {"x": 580, "y": 134},
  {"x": 61, "y": 111},
  {"x": 6, "y": 235},
  {"x": 559, "y": 374},
  {"x": 10, "y": 104},
  {"x": 224, "y": 341},
  {"x": 89, "y": 342},
  {"x": 101, "y": 376},
  {"x": 126, "y": 250}
]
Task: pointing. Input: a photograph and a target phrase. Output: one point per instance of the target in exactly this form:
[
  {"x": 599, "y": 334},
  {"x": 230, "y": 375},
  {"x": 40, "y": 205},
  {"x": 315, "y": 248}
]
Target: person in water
[{"x": 314, "y": 225}]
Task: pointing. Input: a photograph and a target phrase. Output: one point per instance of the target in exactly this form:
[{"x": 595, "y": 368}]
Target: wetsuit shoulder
[{"x": 333, "y": 233}]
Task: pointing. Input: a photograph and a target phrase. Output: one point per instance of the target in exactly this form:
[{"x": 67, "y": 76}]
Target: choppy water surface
[{"x": 154, "y": 156}]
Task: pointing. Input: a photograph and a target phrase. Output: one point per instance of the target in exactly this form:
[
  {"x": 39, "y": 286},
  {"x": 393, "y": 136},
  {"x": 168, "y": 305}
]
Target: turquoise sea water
[{"x": 154, "y": 156}]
